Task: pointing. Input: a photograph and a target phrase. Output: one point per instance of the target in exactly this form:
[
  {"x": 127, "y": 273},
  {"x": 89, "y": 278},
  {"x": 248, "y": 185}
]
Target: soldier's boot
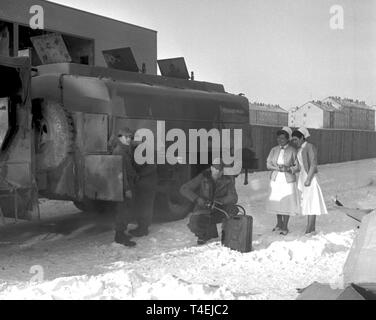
[
  {"x": 139, "y": 232},
  {"x": 201, "y": 241},
  {"x": 123, "y": 239}
]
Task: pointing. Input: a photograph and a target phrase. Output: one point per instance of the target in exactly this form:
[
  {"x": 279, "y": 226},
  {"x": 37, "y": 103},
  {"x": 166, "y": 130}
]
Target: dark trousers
[
  {"x": 123, "y": 215},
  {"x": 143, "y": 205},
  {"x": 124, "y": 210},
  {"x": 203, "y": 223}
]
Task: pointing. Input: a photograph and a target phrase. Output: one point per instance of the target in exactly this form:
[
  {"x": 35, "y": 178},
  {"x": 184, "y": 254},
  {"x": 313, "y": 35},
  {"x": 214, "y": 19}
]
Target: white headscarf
[
  {"x": 304, "y": 131},
  {"x": 288, "y": 130}
]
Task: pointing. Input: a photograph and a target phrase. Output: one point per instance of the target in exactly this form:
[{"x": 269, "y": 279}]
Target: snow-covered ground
[{"x": 70, "y": 260}]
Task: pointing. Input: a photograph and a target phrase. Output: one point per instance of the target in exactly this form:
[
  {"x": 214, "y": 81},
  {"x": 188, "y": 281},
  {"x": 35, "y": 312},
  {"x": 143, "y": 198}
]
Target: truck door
[{"x": 18, "y": 191}]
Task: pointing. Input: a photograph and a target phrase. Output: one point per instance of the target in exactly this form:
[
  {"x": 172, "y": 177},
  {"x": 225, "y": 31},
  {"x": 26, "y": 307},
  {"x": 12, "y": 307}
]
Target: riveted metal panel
[{"x": 95, "y": 133}]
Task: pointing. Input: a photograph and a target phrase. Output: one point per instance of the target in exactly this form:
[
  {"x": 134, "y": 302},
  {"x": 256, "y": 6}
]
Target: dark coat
[
  {"x": 129, "y": 171},
  {"x": 289, "y": 161},
  {"x": 147, "y": 175},
  {"x": 203, "y": 221},
  {"x": 223, "y": 190}
]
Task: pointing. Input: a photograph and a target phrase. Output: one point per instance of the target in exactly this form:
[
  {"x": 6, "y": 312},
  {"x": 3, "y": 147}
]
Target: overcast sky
[{"x": 275, "y": 51}]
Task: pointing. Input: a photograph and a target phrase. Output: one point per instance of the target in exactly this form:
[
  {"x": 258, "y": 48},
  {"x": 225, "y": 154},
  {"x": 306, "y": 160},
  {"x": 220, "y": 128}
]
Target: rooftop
[
  {"x": 95, "y": 14},
  {"x": 326, "y": 106},
  {"x": 350, "y": 103},
  {"x": 266, "y": 107}
]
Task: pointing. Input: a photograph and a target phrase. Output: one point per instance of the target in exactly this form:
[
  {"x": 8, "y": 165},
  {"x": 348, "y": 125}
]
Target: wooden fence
[{"x": 333, "y": 145}]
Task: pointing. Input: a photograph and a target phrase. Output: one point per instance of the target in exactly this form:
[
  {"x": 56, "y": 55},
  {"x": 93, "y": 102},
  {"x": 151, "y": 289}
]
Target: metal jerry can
[{"x": 237, "y": 232}]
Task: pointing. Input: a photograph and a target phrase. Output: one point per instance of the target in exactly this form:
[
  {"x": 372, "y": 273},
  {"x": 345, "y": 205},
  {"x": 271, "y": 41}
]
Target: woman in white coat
[
  {"x": 312, "y": 200},
  {"x": 284, "y": 197}
]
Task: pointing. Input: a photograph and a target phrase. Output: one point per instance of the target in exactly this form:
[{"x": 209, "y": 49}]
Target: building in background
[
  {"x": 352, "y": 114},
  {"x": 313, "y": 114},
  {"x": 85, "y": 34},
  {"x": 333, "y": 113},
  {"x": 267, "y": 114}
]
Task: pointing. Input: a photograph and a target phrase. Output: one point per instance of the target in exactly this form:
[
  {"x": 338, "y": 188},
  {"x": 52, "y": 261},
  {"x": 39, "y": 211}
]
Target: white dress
[
  {"x": 312, "y": 201},
  {"x": 284, "y": 196}
]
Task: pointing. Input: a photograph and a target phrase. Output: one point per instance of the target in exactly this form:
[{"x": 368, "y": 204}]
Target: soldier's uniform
[
  {"x": 124, "y": 209},
  {"x": 145, "y": 192},
  {"x": 129, "y": 178},
  {"x": 203, "y": 221}
]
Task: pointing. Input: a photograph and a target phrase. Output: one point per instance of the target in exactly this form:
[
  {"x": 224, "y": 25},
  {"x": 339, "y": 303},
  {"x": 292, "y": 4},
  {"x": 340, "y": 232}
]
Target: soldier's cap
[
  {"x": 126, "y": 132},
  {"x": 218, "y": 164}
]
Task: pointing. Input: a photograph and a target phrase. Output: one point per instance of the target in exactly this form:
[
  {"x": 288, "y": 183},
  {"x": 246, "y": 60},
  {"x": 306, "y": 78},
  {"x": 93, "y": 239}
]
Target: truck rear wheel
[
  {"x": 95, "y": 206},
  {"x": 178, "y": 206},
  {"x": 171, "y": 208},
  {"x": 171, "y": 205}
]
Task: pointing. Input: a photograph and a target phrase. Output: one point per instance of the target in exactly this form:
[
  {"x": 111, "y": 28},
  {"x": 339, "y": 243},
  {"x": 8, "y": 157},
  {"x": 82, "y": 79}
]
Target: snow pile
[
  {"x": 207, "y": 272},
  {"x": 80, "y": 260}
]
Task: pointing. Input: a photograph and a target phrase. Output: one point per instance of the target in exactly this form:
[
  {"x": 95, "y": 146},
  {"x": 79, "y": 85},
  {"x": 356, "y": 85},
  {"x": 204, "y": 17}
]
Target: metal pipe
[{"x": 15, "y": 206}]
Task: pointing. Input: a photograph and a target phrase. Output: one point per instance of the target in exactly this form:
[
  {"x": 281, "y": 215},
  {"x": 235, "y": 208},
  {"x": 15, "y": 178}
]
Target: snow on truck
[{"x": 57, "y": 120}]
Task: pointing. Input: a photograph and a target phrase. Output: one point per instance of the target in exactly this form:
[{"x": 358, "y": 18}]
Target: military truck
[{"x": 57, "y": 121}]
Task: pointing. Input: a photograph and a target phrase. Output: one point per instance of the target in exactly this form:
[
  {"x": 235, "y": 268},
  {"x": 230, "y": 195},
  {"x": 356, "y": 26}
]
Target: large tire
[
  {"x": 171, "y": 206},
  {"x": 54, "y": 135},
  {"x": 94, "y": 206},
  {"x": 178, "y": 207},
  {"x": 83, "y": 205}
]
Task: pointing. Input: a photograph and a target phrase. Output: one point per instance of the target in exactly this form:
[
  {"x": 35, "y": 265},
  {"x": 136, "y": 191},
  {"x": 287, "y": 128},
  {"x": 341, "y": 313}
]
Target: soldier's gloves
[
  {"x": 216, "y": 204},
  {"x": 128, "y": 194},
  {"x": 209, "y": 204},
  {"x": 201, "y": 202}
]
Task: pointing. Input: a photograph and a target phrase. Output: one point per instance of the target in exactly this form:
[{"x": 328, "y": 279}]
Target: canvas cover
[
  {"x": 323, "y": 291},
  {"x": 360, "y": 266}
]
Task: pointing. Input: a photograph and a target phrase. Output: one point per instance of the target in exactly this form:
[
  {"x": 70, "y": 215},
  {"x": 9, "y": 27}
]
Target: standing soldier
[{"x": 124, "y": 209}]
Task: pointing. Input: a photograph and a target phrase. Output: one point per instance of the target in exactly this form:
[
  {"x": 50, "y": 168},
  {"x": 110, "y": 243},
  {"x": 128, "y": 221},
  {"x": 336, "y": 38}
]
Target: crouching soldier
[
  {"x": 208, "y": 190},
  {"x": 124, "y": 209}
]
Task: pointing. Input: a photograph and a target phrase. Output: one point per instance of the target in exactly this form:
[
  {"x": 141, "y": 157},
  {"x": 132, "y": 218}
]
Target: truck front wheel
[{"x": 54, "y": 132}]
